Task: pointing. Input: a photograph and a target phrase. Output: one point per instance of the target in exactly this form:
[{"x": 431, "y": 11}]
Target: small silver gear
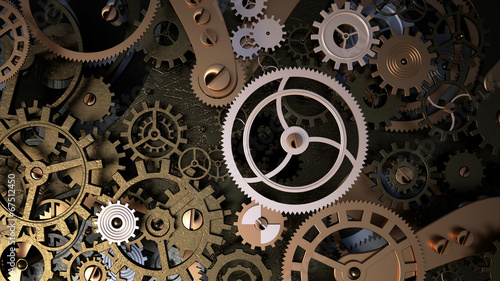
[
  {"x": 249, "y": 9},
  {"x": 243, "y": 43},
  {"x": 348, "y": 27},
  {"x": 268, "y": 33},
  {"x": 117, "y": 223}
]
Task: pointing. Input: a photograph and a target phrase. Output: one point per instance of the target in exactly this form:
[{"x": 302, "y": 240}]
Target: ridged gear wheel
[
  {"x": 494, "y": 261},
  {"x": 81, "y": 255},
  {"x": 166, "y": 40},
  {"x": 339, "y": 29},
  {"x": 91, "y": 268},
  {"x": 216, "y": 272},
  {"x": 313, "y": 250},
  {"x": 154, "y": 132},
  {"x": 249, "y": 9},
  {"x": 259, "y": 226},
  {"x": 298, "y": 41},
  {"x": 488, "y": 120},
  {"x": 91, "y": 101},
  {"x": 117, "y": 223},
  {"x": 243, "y": 43},
  {"x": 268, "y": 33},
  {"x": 403, "y": 62},
  {"x": 464, "y": 171},
  {"x": 407, "y": 173}
]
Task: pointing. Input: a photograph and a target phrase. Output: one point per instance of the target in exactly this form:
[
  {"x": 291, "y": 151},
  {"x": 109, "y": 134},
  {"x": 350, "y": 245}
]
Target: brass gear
[
  {"x": 259, "y": 226},
  {"x": 38, "y": 168},
  {"x": 91, "y": 269},
  {"x": 194, "y": 163},
  {"x": 217, "y": 272},
  {"x": 218, "y": 170},
  {"x": 403, "y": 62},
  {"x": 312, "y": 248},
  {"x": 96, "y": 56},
  {"x": 84, "y": 254}
]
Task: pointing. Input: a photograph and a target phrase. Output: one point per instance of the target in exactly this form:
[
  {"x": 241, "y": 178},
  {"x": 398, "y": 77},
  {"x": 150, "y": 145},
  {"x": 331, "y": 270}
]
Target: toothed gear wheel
[
  {"x": 335, "y": 33},
  {"x": 218, "y": 170},
  {"x": 91, "y": 268},
  {"x": 447, "y": 272},
  {"x": 488, "y": 120},
  {"x": 83, "y": 254},
  {"x": 377, "y": 105},
  {"x": 154, "y": 132},
  {"x": 135, "y": 253},
  {"x": 313, "y": 250},
  {"x": 117, "y": 223},
  {"x": 494, "y": 260},
  {"x": 303, "y": 195},
  {"x": 92, "y": 100},
  {"x": 38, "y": 167},
  {"x": 243, "y": 43},
  {"x": 16, "y": 30},
  {"x": 194, "y": 163},
  {"x": 158, "y": 224},
  {"x": 166, "y": 40},
  {"x": 259, "y": 226},
  {"x": 65, "y": 49},
  {"x": 464, "y": 171},
  {"x": 229, "y": 265},
  {"x": 299, "y": 43},
  {"x": 268, "y": 33},
  {"x": 403, "y": 62},
  {"x": 404, "y": 176},
  {"x": 249, "y": 9}
]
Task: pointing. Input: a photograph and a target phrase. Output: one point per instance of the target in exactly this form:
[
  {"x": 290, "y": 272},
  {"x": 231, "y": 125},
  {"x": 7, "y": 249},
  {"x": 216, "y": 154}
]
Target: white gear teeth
[
  {"x": 252, "y": 10},
  {"x": 246, "y": 50},
  {"x": 268, "y": 33},
  {"x": 336, "y": 22},
  {"x": 126, "y": 219}
]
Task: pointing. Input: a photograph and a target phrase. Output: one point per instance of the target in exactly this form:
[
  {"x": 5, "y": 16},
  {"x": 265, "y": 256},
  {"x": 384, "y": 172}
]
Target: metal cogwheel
[
  {"x": 299, "y": 43},
  {"x": 135, "y": 253},
  {"x": 313, "y": 249},
  {"x": 259, "y": 226},
  {"x": 345, "y": 36},
  {"x": 249, "y": 9},
  {"x": 404, "y": 176},
  {"x": 76, "y": 262},
  {"x": 268, "y": 33},
  {"x": 235, "y": 266},
  {"x": 295, "y": 140},
  {"x": 447, "y": 272},
  {"x": 218, "y": 170},
  {"x": 102, "y": 56},
  {"x": 16, "y": 48},
  {"x": 154, "y": 132},
  {"x": 488, "y": 120},
  {"x": 26, "y": 255},
  {"x": 91, "y": 101},
  {"x": 38, "y": 165},
  {"x": 494, "y": 260},
  {"x": 262, "y": 63},
  {"x": 243, "y": 43},
  {"x": 194, "y": 163},
  {"x": 403, "y": 62},
  {"x": 196, "y": 214},
  {"x": 464, "y": 171},
  {"x": 166, "y": 40},
  {"x": 117, "y": 223},
  {"x": 378, "y": 108},
  {"x": 91, "y": 268},
  {"x": 110, "y": 153}
]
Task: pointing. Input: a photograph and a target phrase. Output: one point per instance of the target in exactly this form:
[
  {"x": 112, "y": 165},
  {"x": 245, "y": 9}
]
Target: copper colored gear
[
  {"x": 403, "y": 62},
  {"x": 259, "y": 226},
  {"x": 99, "y": 56},
  {"x": 400, "y": 258},
  {"x": 92, "y": 100}
]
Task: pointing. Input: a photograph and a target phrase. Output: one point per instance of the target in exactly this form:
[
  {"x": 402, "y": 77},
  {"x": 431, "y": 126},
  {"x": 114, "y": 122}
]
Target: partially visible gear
[
  {"x": 228, "y": 268},
  {"x": 243, "y": 43},
  {"x": 259, "y": 226},
  {"x": 464, "y": 171},
  {"x": 408, "y": 10},
  {"x": 335, "y": 33},
  {"x": 403, "y": 62},
  {"x": 91, "y": 268},
  {"x": 218, "y": 170},
  {"x": 117, "y": 223},
  {"x": 263, "y": 62},
  {"x": 194, "y": 163},
  {"x": 299, "y": 43},
  {"x": 166, "y": 40},
  {"x": 447, "y": 272},
  {"x": 488, "y": 120},
  {"x": 249, "y": 10},
  {"x": 158, "y": 224},
  {"x": 268, "y": 33},
  {"x": 110, "y": 153},
  {"x": 92, "y": 254},
  {"x": 494, "y": 260},
  {"x": 135, "y": 253}
]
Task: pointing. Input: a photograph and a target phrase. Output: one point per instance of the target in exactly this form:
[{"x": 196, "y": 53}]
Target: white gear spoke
[
  {"x": 334, "y": 144},
  {"x": 274, "y": 172},
  {"x": 279, "y": 110}
]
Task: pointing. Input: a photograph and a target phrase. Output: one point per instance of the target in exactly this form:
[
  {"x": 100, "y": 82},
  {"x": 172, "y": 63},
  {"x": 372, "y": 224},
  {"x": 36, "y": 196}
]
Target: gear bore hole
[
  {"x": 354, "y": 273},
  {"x": 117, "y": 223},
  {"x": 89, "y": 99},
  {"x": 294, "y": 140},
  {"x": 157, "y": 224},
  {"x": 22, "y": 264},
  {"x": 464, "y": 172}
]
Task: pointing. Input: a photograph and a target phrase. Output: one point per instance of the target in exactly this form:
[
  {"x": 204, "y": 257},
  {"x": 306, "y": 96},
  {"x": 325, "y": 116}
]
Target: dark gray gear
[
  {"x": 464, "y": 171},
  {"x": 488, "y": 120}
]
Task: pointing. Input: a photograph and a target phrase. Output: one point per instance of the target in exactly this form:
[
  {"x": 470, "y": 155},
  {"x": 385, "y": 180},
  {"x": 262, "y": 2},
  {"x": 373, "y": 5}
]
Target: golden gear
[
  {"x": 26, "y": 254},
  {"x": 91, "y": 269},
  {"x": 197, "y": 215},
  {"x": 195, "y": 163},
  {"x": 239, "y": 256},
  {"x": 403, "y": 62},
  {"x": 16, "y": 52},
  {"x": 78, "y": 259},
  {"x": 64, "y": 51},
  {"x": 218, "y": 170},
  {"x": 109, "y": 154},
  {"x": 154, "y": 132},
  {"x": 157, "y": 225},
  {"x": 37, "y": 168},
  {"x": 91, "y": 101},
  {"x": 400, "y": 258},
  {"x": 259, "y": 226}
]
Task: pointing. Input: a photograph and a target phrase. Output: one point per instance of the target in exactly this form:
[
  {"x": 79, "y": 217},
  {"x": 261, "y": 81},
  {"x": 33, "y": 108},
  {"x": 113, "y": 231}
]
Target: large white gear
[
  {"x": 250, "y": 9},
  {"x": 268, "y": 33},
  {"x": 243, "y": 43},
  {"x": 353, "y": 32},
  {"x": 117, "y": 223},
  {"x": 356, "y": 155}
]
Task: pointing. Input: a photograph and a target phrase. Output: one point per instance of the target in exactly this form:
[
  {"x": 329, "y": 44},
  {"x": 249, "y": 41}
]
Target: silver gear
[
  {"x": 117, "y": 223},
  {"x": 268, "y": 33},
  {"x": 331, "y": 195},
  {"x": 333, "y": 24},
  {"x": 253, "y": 9},
  {"x": 128, "y": 274},
  {"x": 243, "y": 43}
]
